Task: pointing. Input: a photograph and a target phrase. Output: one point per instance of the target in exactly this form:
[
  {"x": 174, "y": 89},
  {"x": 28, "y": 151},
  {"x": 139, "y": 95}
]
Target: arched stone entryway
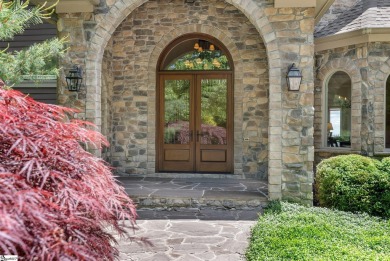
[
  {"x": 135, "y": 48},
  {"x": 292, "y": 28}
]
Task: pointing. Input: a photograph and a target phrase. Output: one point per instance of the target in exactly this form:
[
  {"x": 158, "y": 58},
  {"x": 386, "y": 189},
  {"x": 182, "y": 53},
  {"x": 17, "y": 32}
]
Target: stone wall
[
  {"x": 294, "y": 32},
  {"x": 71, "y": 26},
  {"x": 107, "y": 117},
  {"x": 368, "y": 66},
  {"x": 378, "y": 74}
]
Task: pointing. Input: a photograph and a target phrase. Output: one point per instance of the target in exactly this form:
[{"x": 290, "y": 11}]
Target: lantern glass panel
[{"x": 294, "y": 83}]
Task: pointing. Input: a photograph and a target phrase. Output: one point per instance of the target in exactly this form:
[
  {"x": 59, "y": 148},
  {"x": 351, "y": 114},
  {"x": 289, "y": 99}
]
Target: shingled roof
[{"x": 364, "y": 14}]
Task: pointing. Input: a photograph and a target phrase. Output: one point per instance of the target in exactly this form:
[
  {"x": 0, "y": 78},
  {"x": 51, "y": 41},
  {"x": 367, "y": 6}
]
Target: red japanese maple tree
[{"x": 56, "y": 199}]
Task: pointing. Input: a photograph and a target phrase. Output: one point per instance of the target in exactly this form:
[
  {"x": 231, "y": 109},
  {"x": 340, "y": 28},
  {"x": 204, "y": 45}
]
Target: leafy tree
[
  {"x": 213, "y": 111},
  {"x": 15, "y": 17},
  {"x": 56, "y": 199},
  {"x": 214, "y": 102},
  {"x": 213, "y": 99}
]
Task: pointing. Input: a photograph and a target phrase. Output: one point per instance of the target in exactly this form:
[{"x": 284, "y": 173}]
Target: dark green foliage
[
  {"x": 38, "y": 59},
  {"x": 354, "y": 183},
  {"x": 16, "y": 16},
  {"x": 274, "y": 206},
  {"x": 384, "y": 165},
  {"x": 301, "y": 233}
]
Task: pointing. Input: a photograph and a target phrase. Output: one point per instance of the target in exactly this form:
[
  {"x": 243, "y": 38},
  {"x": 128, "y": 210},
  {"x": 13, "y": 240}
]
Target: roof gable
[{"x": 361, "y": 14}]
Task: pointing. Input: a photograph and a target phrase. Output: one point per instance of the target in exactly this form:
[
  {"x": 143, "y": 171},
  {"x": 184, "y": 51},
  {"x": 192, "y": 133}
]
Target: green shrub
[
  {"x": 354, "y": 183},
  {"x": 384, "y": 165},
  {"x": 301, "y": 233},
  {"x": 169, "y": 135},
  {"x": 274, "y": 206}
]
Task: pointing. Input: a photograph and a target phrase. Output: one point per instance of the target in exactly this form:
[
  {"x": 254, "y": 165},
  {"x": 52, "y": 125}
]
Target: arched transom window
[{"x": 196, "y": 54}]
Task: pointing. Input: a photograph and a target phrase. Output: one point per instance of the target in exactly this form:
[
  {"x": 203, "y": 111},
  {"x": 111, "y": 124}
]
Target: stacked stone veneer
[
  {"x": 368, "y": 65},
  {"x": 134, "y": 59},
  {"x": 263, "y": 41},
  {"x": 72, "y": 27},
  {"x": 107, "y": 101}
]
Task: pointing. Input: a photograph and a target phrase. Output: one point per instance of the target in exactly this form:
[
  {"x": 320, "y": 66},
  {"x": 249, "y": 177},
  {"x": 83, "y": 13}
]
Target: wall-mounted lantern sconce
[
  {"x": 294, "y": 78},
  {"x": 74, "y": 79}
]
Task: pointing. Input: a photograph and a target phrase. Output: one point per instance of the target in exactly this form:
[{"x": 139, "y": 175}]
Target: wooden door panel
[
  {"x": 178, "y": 160},
  {"x": 195, "y": 123},
  {"x": 213, "y": 167},
  {"x": 177, "y": 155},
  {"x": 175, "y": 137},
  {"x": 213, "y": 155},
  {"x": 213, "y": 123}
]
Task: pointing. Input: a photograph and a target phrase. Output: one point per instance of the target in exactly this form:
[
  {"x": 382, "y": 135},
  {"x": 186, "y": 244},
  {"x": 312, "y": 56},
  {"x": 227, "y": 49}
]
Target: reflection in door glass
[
  {"x": 177, "y": 111},
  {"x": 213, "y": 111}
]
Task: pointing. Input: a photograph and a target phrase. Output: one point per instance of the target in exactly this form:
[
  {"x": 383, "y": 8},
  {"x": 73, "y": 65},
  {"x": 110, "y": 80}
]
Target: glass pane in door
[
  {"x": 176, "y": 111},
  {"x": 213, "y": 111}
]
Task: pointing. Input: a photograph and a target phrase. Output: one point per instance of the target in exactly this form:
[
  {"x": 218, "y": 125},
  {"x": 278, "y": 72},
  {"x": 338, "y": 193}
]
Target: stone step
[
  {"x": 204, "y": 213},
  {"x": 170, "y": 193},
  {"x": 214, "y": 199}
]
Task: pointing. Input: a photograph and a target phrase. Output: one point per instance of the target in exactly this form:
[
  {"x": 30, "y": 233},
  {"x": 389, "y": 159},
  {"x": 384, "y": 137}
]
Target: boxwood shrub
[
  {"x": 354, "y": 183},
  {"x": 384, "y": 165}
]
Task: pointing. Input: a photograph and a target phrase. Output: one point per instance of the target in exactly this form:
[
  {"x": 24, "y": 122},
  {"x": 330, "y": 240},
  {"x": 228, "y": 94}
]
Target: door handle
[{"x": 197, "y": 135}]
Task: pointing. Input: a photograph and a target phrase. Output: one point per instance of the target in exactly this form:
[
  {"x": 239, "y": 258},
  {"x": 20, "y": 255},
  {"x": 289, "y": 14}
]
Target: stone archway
[
  {"x": 256, "y": 14},
  {"x": 380, "y": 79},
  {"x": 120, "y": 10},
  {"x": 136, "y": 60}
]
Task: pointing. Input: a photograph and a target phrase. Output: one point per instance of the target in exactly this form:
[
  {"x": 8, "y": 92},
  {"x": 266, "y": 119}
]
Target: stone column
[
  {"x": 292, "y": 120},
  {"x": 71, "y": 27},
  {"x": 77, "y": 28}
]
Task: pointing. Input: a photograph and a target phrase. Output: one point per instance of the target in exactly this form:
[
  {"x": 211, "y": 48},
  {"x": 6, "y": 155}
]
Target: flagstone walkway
[
  {"x": 192, "y": 218},
  {"x": 188, "y": 240}
]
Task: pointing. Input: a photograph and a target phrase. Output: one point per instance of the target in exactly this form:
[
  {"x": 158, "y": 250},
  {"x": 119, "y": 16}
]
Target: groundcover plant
[{"x": 292, "y": 232}]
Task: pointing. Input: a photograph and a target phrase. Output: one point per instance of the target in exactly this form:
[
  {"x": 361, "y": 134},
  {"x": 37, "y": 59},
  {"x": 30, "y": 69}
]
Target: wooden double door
[{"x": 195, "y": 122}]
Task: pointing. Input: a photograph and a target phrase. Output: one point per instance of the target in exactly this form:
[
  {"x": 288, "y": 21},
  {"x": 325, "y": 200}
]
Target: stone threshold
[{"x": 188, "y": 175}]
